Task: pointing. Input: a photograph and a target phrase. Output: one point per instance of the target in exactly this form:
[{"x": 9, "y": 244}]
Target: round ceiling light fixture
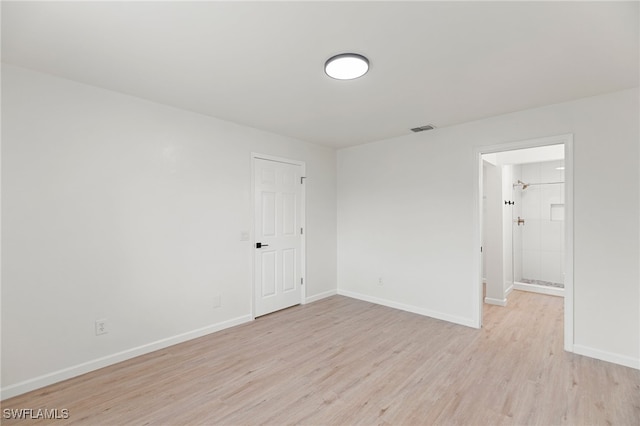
[{"x": 346, "y": 66}]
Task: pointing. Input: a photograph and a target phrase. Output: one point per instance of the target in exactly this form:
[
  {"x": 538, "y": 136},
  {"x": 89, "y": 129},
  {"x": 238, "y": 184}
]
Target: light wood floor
[{"x": 343, "y": 361}]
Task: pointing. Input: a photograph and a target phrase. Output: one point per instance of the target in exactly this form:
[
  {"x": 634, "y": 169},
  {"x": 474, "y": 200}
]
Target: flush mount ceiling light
[
  {"x": 346, "y": 66},
  {"x": 560, "y": 168}
]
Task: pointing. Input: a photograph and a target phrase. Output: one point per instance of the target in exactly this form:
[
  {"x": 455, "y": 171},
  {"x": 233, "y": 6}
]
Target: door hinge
[
  {"x": 301, "y": 231},
  {"x": 301, "y": 281},
  {"x": 302, "y": 178}
]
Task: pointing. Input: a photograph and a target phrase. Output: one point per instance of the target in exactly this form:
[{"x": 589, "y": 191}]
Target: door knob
[{"x": 260, "y": 245}]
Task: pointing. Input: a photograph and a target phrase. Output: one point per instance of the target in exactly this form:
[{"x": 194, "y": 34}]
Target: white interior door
[{"x": 278, "y": 190}]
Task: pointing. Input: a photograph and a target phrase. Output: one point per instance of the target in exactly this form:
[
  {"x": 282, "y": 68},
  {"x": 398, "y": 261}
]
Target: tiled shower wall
[{"x": 539, "y": 243}]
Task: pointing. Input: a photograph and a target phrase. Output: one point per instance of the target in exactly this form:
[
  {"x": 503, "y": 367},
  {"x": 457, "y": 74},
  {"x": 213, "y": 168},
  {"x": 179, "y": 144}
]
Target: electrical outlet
[
  {"x": 217, "y": 301},
  {"x": 380, "y": 282},
  {"x": 101, "y": 327}
]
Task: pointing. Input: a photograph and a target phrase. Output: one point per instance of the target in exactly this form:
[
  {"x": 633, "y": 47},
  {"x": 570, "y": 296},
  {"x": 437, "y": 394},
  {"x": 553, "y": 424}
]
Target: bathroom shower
[{"x": 538, "y": 227}]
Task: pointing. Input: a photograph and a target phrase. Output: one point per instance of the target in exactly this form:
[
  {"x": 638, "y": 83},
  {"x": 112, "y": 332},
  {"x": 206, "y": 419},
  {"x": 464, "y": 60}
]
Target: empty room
[{"x": 320, "y": 213}]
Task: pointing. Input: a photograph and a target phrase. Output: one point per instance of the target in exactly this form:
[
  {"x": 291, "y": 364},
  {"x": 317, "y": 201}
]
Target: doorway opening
[{"x": 525, "y": 222}]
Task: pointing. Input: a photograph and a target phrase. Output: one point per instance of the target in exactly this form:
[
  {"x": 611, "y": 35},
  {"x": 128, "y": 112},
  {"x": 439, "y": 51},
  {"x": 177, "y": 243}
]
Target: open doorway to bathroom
[{"x": 525, "y": 222}]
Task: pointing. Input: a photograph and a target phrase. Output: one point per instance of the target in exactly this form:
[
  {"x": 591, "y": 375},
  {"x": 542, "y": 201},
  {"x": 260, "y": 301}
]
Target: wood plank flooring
[{"x": 341, "y": 361}]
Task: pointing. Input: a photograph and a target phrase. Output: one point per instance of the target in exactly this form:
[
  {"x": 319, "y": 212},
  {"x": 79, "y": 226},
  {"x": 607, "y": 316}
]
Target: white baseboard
[
  {"x": 86, "y": 367},
  {"x": 627, "y": 361},
  {"x": 509, "y": 290},
  {"x": 534, "y": 288},
  {"x": 410, "y": 308},
  {"x": 499, "y": 302},
  {"x": 320, "y": 296}
]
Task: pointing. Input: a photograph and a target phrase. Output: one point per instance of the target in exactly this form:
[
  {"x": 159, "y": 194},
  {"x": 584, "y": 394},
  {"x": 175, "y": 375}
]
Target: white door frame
[
  {"x": 567, "y": 140},
  {"x": 303, "y": 251}
]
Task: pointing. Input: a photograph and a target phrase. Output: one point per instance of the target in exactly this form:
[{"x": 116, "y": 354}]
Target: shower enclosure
[{"x": 538, "y": 227}]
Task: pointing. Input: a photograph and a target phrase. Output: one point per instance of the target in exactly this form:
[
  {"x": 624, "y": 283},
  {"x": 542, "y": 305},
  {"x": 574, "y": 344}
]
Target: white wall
[
  {"x": 516, "y": 194},
  {"x": 492, "y": 235},
  {"x": 507, "y": 229},
  {"x": 406, "y": 208},
  {"x": 119, "y": 208}
]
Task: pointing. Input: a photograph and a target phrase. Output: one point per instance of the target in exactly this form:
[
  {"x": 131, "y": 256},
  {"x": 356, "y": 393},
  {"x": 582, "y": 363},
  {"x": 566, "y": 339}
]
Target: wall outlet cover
[
  {"x": 217, "y": 301},
  {"x": 101, "y": 327}
]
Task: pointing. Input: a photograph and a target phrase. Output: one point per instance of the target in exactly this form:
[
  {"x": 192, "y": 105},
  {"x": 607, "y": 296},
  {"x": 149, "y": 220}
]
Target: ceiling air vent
[{"x": 423, "y": 128}]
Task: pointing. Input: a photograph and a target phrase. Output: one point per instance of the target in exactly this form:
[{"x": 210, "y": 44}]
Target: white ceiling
[{"x": 261, "y": 64}]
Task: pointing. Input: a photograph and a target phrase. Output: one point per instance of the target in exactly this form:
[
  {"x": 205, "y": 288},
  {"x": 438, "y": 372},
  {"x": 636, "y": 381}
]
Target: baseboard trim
[
  {"x": 86, "y": 367},
  {"x": 468, "y": 322},
  {"x": 499, "y": 302},
  {"x": 534, "y": 288},
  {"x": 320, "y": 296},
  {"x": 509, "y": 290},
  {"x": 627, "y": 361}
]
